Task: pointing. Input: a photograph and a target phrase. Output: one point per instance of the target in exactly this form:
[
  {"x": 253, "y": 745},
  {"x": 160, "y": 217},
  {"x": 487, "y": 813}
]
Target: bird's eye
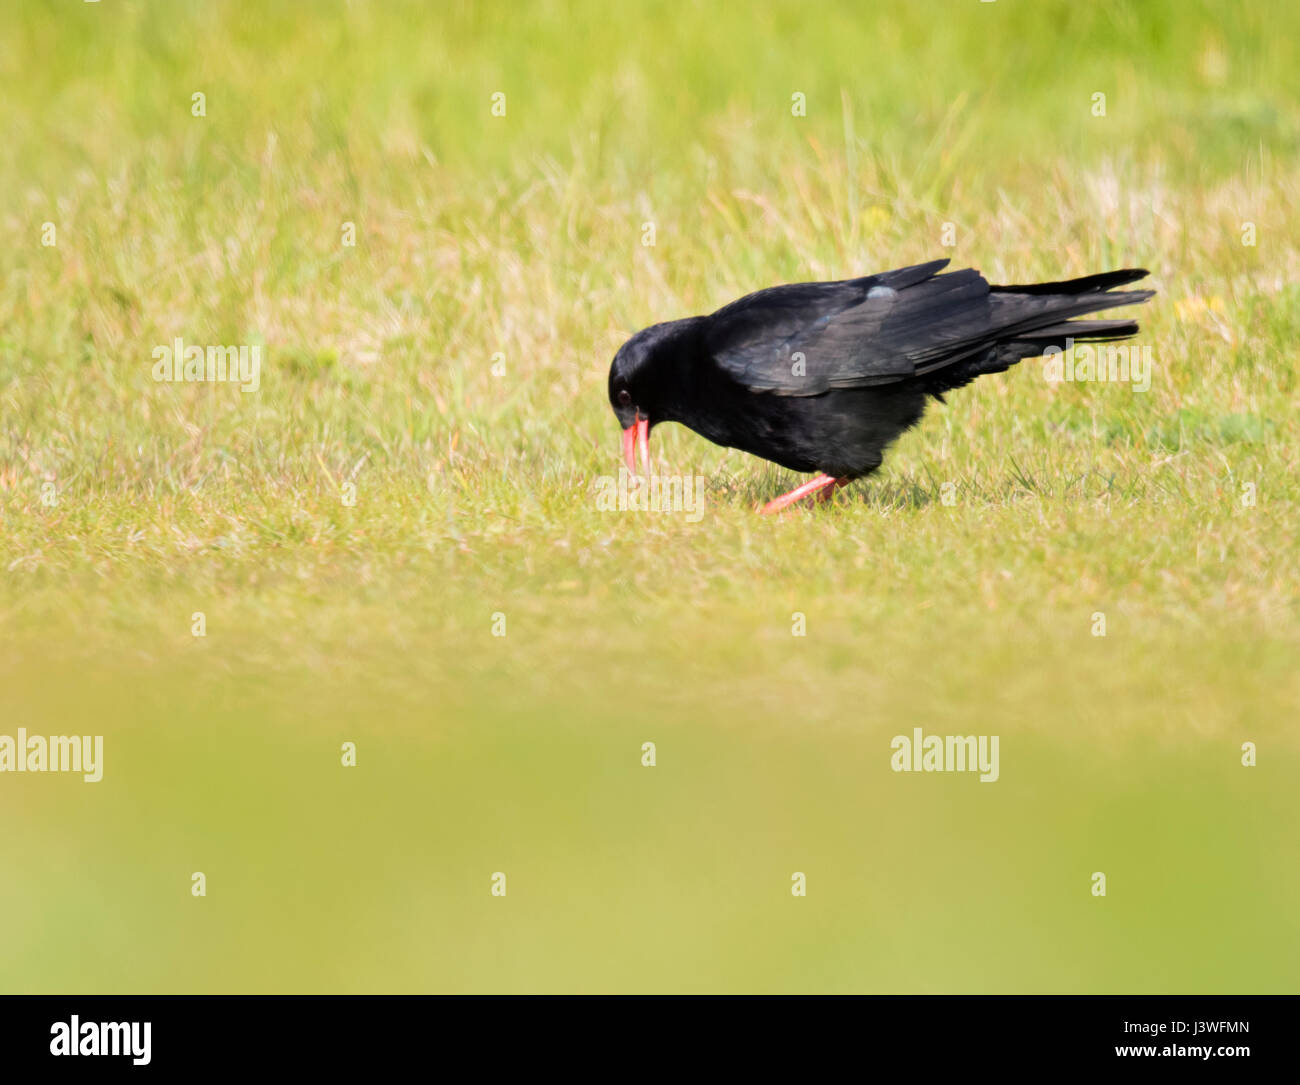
[{"x": 624, "y": 397}]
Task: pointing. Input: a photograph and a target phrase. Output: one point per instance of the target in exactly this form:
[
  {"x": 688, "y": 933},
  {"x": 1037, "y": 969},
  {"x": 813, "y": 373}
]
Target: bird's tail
[
  {"x": 1042, "y": 314},
  {"x": 1036, "y": 318}
]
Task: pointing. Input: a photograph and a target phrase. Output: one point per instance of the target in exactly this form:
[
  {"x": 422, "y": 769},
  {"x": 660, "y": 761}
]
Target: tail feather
[
  {"x": 1105, "y": 280},
  {"x": 1098, "y": 331},
  {"x": 1026, "y": 315},
  {"x": 1041, "y": 316},
  {"x": 1038, "y": 318}
]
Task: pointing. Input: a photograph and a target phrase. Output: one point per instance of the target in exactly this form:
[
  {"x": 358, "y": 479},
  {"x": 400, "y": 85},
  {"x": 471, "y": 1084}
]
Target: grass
[{"x": 127, "y": 505}]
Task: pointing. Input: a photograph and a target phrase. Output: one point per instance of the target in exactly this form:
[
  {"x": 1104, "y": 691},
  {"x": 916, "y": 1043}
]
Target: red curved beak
[{"x": 637, "y": 438}]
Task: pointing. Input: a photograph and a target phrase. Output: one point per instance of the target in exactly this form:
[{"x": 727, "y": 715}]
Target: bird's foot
[{"x": 822, "y": 486}]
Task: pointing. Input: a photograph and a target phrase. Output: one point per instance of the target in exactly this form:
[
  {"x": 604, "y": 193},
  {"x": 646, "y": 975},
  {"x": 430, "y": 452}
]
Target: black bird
[{"x": 824, "y": 376}]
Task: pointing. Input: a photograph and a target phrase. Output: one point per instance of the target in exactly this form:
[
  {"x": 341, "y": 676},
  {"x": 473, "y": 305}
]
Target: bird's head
[{"x": 645, "y": 381}]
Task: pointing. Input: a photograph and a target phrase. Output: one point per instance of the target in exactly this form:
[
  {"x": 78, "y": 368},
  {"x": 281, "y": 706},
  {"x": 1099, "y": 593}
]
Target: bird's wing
[{"x": 808, "y": 338}]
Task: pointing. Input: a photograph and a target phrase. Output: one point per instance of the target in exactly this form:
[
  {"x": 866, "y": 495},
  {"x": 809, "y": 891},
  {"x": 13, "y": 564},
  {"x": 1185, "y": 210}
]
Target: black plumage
[{"x": 824, "y": 376}]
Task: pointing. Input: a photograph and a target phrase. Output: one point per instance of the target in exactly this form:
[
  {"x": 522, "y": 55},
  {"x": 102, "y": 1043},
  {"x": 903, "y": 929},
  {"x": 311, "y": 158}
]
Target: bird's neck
[{"x": 683, "y": 372}]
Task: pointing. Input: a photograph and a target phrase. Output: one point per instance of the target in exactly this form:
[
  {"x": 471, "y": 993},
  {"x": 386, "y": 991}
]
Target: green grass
[{"x": 475, "y": 495}]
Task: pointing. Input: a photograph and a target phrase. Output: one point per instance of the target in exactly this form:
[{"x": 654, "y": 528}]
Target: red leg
[
  {"x": 823, "y": 486},
  {"x": 829, "y": 492}
]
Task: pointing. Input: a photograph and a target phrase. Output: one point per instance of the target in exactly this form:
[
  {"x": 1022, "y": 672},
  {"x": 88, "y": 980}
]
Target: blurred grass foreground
[{"x": 389, "y": 702}]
